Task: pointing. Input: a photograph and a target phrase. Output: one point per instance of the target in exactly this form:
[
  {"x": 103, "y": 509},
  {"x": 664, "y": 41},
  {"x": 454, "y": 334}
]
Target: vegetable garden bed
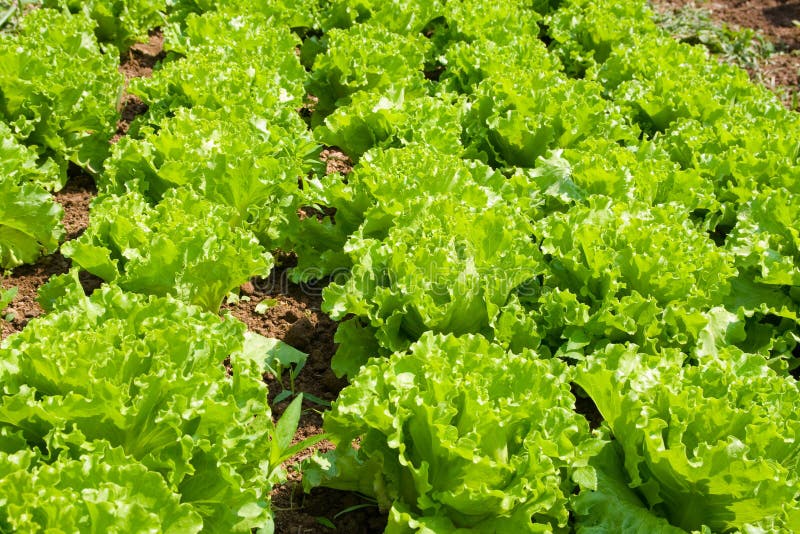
[{"x": 568, "y": 262}]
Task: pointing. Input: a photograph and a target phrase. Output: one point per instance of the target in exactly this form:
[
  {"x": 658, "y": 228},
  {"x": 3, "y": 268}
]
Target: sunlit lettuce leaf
[
  {"x": 30, "y": 223},
  {"x": 366, "y": 58},
  {"x": 376, "y": 192},
  {"x": 443, "y": 266},
  {"x": 390, "y": 118},
  {"x": 583, "y": 32},
  {"x": 255, "y": 66},
  {"x": 247, "y": 163},
  {"x": 67, "y": 117},
  {"x": 103, "y": 489},
  {"x": 144, "y": 375},
  {"x": 517, "y": 118},
  {"x": 185, "y": 246},
  {"x": 119, "y": 22},
  {"x": 451, "y": 434},
  {"x": 713, "y": 444}
]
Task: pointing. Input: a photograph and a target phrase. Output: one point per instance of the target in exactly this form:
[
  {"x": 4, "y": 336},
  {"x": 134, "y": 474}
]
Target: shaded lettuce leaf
[
  {"x": 185, "y": 246},
  {"x": 613, "y": 506},
  {"x": 713, "y": 444},
  {"x": 101, "y": 490},
  {"x": 247, "y": 163},
  {"x": 146, "y": 375},
  {"x": 68, "y": 118},
  {"x": 450, "y": 435}
]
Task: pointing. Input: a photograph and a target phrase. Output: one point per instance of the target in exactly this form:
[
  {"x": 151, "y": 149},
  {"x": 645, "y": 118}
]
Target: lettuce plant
[
  {"x": 119, "y": 22},
  {"x": 255, "y": 66},
  {"x": 117, "y": 410},
  {"x": 366, "y": 58},
  {"x": 66, "y": 117},
  {"x": 457, "y": 435},
  {"x": 375, "y": 193},
  {"x": 251, "y": 165},
  {"x": 185, "y": 246},
  {"x": 710, "y": 445},
  {"x": 30, "y": 220},
  {"x": 390, "y": 118},
  {"x": 442, "y": 266}
]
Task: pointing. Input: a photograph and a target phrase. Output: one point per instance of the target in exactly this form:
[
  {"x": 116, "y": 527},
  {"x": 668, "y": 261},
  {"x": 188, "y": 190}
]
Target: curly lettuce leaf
[
  {"x": 119, "y": 22},
  {"x": 708, "y": 445},
  {"x": 185, "y": 246},
  {"x": 30, "y": 223},
  {"x": 103, "y": 489},
  {"x": 443, "y": 266},
  {"x": 451, "y": 437},
  {"x": 66, "y": 117},
  {"x": 375, "y": 193},
  {"x": 146, "y": 376},
  {"x": 254, "y": 66},
  {"x": 249, "y": 164},
  {"x": 389, "y": 119},
  {"x": 366, "y": 58}
]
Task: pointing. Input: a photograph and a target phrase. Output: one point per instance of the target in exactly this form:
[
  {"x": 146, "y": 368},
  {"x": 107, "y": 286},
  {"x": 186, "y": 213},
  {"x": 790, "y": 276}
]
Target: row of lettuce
[{"x": 550, "y": 199}]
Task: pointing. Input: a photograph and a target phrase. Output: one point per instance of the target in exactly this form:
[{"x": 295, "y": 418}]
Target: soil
[{"x": 775, "y": 20}]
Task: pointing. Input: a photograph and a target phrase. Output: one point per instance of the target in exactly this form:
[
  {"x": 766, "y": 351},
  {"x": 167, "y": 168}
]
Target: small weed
[{"x": 744, "y": 47}]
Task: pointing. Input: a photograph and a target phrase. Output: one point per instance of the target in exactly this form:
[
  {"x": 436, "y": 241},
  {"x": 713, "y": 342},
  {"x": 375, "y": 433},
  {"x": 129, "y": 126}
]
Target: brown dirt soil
[
  {"x": 295, "y": 317},
  {"x": 775, "y": 20},
  {"x": 137, "y": 62}
]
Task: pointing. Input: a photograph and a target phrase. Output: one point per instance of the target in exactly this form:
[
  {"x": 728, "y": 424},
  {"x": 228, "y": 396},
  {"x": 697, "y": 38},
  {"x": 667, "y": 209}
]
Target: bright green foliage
[
  {"x": 714, "y": 444},
  {"x": 21, "y": 164},
  {"x": 486, "y": 20},
  {"x": 102, "y": 489},
  {"x": 601, "y": 167},
  {"x": 398, "y": 16},
  {"x": 443, "y": 266},
  {"x": 185, "y": 246},
  {"x": 584, "y": 31},
  {"x": 766, "y": 239},
  {"x": 375, "y": 193},
  {"x": 234, "y": 159},
  {"x": 689, "y": 86},
  {"x": 30, "y": 223},
  {"x": 458, "y": 433},
  {"x": 66, "y": 116},
  {"x": 255, "y": 66},
  {"x": 390, "y": 118},
  {"x": 618, "y": 272},
  {"x": 119, "y": 22},
  {"x": 366, "y": 58},
  {"x": 466, "y": 64},
  {"x": 133, "y": 389},
  {"x": 30, "y": 220},
  {"x": 516, "y": 119},
  {"x": 297, "y": 14}
]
